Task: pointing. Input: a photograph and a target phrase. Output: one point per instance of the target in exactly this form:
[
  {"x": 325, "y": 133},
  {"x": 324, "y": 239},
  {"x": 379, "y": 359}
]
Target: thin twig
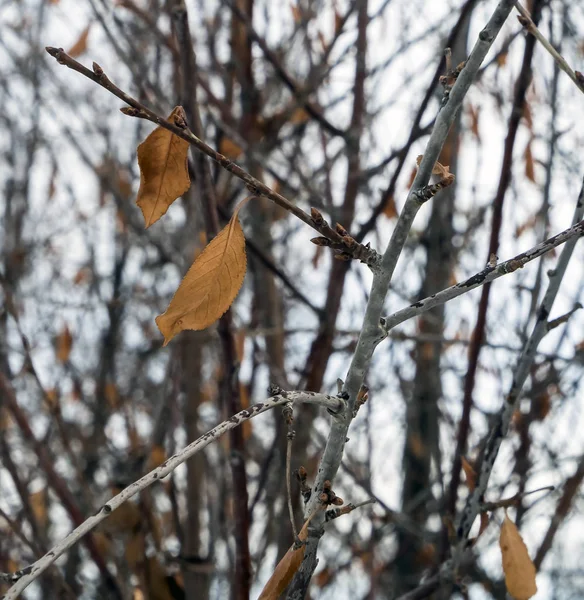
[
  {"x": 502, "y": 422},
  {"x": 485, "y": 276},
  {"x": 531, "y": 27},
  {"x": 371, "y": 334},
  {"x": 255, "y": 186},
  {"x": 289, "y": 417},
  {"x": 334, "y": 405}
]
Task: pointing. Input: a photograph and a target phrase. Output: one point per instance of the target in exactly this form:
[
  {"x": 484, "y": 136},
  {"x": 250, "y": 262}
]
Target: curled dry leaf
[
  {"x": 518, "y": 568},
  {"x": 443, "y": 171},
  {"x": 471, "y": 476},
  {"x": 80, "y": 46},
  {"x": 210, "y": 285},
  {"x": 285, "y": 569},
  {"x": 64, "y": 345},
  {"x": 164, "y": 175}
]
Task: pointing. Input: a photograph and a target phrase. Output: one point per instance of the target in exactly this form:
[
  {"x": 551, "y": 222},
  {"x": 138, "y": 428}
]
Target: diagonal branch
[
  {"x": 371, "y": 333},
  {"x": 333, "y": 404},
  {"x": 526, "y": 20},
  {"x": 501, "y": 425},
  {"x": 256, "y": 187},
  {"x": 484, "y": 277}
]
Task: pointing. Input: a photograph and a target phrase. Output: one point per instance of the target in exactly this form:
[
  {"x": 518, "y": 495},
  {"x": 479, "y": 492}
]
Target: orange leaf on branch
[
  {"x": 210, "y": 285},
  {"x": 164, "y": 175}
]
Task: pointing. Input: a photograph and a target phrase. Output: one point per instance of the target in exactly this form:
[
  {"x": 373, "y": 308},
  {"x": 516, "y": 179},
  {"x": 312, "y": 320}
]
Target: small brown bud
[
  {"x": 343, "y": 256},
  {"x": 97, "y": 69},
  {"x": 340, "y": 229},
  {"x": 524, "y": 22},
  {"x": 130, "y": 111},
  {"x": 321, "y": 241},
  {"x": 316, "y": 216},
  {"x": 338, "y": 501},
  {"x": 349, "y": 242}
]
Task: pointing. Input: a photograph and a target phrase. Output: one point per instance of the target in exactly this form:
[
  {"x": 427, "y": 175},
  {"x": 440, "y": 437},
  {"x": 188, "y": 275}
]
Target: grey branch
[
  {"x": 501, "y": 425},
  {"x": 334, "y": 405},
  {"x": 487, "y": 275},
  {"x": 371, "y": 334}
]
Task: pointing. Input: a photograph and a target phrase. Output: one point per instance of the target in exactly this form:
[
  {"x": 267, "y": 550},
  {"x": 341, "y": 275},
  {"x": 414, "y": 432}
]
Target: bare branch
[
  {"x": 371, "y": 334},
  {"x": 526, "y": 21},
  {"x": 29, "y": 574},
  {"x": 487, "y": 275},
  {"x": 501, "y": 425},
  {"x": 254, "y": 185}
]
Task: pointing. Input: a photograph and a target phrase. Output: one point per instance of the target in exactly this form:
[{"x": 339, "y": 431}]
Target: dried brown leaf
[
  {"x": 285, "y": 569},
  {"x": 210, "y": 285},
  {"x": 474, "y": 121},
  {"x": 443, "y": 171},
  {"x": 125, "y": 519},
  {"x": 296, "y": 12},
  {"x": 484, "y": 524},
  {"x": 64, "y": 345},
  {"x": 529, "y": 167},
  {"x": 518, "y": 567},
  {"x": 338, "y": 20},
  {"x": 157, "y": 581},
  {"x": 157, "y": 457},
  {"x": 52, "y": 184},
  {"x": 316, "y": 258},
  {"x": 229, "y": 148},
  {"x": 389, "y": 208},
  {"x": 526, "y": 226},
  {"x": 38, "y": 504},
  {"x": 80, "y": 46},
  {"x": 135, "y": 549},
  {"x": 471, "y": 476},
  {"x": 164, "y": 175},
  {"x": 299, "y": 116}
]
